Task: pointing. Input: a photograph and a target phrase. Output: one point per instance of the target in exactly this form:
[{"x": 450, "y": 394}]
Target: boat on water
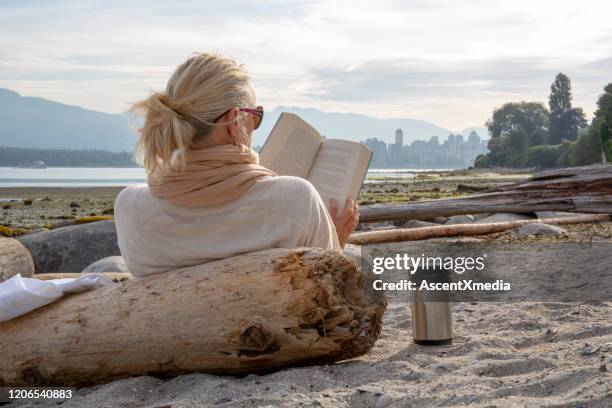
[{"x": 34, "y": 164}]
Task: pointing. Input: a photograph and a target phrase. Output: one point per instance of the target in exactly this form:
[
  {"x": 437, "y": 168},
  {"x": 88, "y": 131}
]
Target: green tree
[
  {"x": 602, "y": 121},
  {"x": 545, "y": 156},
  {"x": 513, "y": 128},
  {"x": 529, "y": 116},
  {"x": 586, "y": 149},
  {"x": 565, "y": 121}
]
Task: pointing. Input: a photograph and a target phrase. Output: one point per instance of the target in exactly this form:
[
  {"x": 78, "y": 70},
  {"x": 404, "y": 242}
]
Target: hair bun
[{"x": 165, "y": 100}]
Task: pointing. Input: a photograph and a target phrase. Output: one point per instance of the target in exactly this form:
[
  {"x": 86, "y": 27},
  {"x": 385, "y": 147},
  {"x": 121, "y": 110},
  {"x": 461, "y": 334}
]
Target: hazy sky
[{"x": 448, "y": 62}]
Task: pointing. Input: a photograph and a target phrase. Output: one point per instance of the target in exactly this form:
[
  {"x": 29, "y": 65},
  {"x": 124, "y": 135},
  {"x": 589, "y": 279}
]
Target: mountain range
[{"x": 40, "y": 123}]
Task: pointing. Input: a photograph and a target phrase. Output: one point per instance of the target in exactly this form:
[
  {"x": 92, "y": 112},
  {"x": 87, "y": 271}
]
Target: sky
[{"x": 447, "y": 62}]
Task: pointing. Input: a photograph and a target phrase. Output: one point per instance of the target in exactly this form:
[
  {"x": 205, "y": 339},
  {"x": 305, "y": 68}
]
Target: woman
[{"x": 207, "y": 198}]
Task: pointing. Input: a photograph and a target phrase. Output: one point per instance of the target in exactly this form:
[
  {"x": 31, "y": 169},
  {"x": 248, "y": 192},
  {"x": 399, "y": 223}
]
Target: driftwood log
[
  {"x": 415, "y": 234},
  {"x": 14, "y": 259},
  {"x": 251, "y": 313},
  {"x": 579, "y": 189}
]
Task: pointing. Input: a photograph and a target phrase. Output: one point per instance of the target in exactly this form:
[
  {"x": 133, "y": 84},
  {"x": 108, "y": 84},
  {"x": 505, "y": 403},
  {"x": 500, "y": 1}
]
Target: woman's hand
[{"x": 347, "y": 221}]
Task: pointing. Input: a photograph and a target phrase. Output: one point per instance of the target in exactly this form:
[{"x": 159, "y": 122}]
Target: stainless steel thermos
[{"x": 432, "y": 320}]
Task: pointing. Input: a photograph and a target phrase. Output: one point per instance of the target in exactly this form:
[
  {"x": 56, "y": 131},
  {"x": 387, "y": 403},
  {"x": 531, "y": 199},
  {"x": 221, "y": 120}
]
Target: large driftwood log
[
  {"x": 251, "y": 313},
  {"x": 416, "y": 234},
  {"x": 579, "y": 189},
  {"x": 14, "y": 259}
]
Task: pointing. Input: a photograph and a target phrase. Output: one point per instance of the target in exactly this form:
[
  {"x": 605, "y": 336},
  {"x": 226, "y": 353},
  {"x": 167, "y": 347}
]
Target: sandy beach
[
  {"x": 544, "y": 354},
  {"x": 504, "y": 355}
]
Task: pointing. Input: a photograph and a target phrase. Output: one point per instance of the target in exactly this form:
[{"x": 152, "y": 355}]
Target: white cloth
[
  {"x": 155, "y": 236},
  {"x": 20, "y": 295}
]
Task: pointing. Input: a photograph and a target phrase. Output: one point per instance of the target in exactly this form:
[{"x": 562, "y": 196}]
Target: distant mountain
[
  {"x": 39, "y": 123},
  {"x": 358, "y": 127}
]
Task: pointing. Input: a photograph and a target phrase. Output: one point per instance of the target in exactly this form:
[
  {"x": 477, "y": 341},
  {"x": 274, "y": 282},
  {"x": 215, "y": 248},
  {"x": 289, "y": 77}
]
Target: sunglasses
[{"x": 258, "y": 114}]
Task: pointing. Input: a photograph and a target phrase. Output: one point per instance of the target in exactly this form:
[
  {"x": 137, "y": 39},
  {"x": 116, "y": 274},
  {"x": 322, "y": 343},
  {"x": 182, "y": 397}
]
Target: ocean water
[{"x": 111, "y": 176}]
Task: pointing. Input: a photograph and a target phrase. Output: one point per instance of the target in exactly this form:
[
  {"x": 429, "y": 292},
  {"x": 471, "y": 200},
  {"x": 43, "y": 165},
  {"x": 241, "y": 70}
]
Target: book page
[
  {"x": 339, "y": 170},
  {"x": 291, "y": 148}
]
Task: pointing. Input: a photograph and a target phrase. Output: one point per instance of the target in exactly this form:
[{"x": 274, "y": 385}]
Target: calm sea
[{"x": 109, "y": 176}]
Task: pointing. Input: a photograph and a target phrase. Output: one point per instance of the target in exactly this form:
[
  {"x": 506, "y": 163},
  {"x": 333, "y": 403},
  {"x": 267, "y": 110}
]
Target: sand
[
  {"x": 536, "y": 354},
  {"x": 544, "y": 354}
]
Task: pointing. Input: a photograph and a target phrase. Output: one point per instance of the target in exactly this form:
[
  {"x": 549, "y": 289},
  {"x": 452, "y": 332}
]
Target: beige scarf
[{"x": 212, "y": 176}]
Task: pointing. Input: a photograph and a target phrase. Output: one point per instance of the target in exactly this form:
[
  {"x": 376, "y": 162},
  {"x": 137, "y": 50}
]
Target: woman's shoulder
[
  {"x": 288, "y": 186},
  {"x": 132, "y": 195}
]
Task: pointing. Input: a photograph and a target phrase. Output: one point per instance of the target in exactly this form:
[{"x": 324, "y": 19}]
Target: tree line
[
  {"x": 527, "y": 134},
  {"x": 18, "y": 156}
]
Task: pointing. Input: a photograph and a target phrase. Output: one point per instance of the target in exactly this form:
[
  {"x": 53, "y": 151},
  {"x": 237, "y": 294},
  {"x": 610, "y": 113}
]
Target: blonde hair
[{"x": 202, "y": 88}]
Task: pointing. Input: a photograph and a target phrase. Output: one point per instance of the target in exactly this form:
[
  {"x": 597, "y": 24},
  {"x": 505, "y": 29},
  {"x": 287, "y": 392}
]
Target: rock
[
  {"x": 361, "y": 258},
  {"x": 588, "y": 350},
  {"x": 74, "y": 204},
  {"x": 62, "y": 224},
  {"x": 540, "y": 229},
  {"x": 14, "y": 259},
  {"x": 108, "y": 211},
  {"x": 108, "y": 264},
  {"x": 72, "y": 248},
  {"x": 6, "y": 207},
  {"x": 383, "y": 401},
  {"x": 438, "y": 220},
  {"x": 27, "y": 202},
  {"x": 418, "y": 224},
  {"x": 460, "y": 219},
  {"x": 47, "y": 198},
  {"x": 503, "y": 217},
  {"x": 480, "y": 216}
]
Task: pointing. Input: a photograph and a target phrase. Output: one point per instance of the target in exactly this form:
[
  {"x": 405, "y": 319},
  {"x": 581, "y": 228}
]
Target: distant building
[
  {"x": 399, "y": 137},
  {"x": 455, "y": 152}
]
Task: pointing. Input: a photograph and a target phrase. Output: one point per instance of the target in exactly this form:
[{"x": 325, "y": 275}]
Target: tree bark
[
  {"x": 579, "y": 189},
  {"x": 14, "y": 259},
  {"x": 415, "y": 234},
  {"x": 251, "y": 313}
]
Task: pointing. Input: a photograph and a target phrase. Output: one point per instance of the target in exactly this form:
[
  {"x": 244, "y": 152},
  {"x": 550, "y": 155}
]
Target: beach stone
[
  {"x": 438, "y": 220},
  {"x": 72, "y": 248},
  {"x": 460, "y": 219},
  {"x": 74, "y": 204},
  {"x": 6, "y": 207},
  {"x": 480, "y": 216},
  {"x": 14, "y": 259},
  {"x": 503, "y": 217},
  {"x": 108, "y": 264},
  {"x": 540, "y": 229},
  {"x": 27, "y": 202},
  {"x": 418, "y": 224},
  {"x": 383, "y": 401},
  {"x": 355, "y": 252}
]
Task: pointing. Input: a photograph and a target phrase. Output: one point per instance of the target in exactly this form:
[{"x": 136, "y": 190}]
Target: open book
[{"x": 336, "y": 168}]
